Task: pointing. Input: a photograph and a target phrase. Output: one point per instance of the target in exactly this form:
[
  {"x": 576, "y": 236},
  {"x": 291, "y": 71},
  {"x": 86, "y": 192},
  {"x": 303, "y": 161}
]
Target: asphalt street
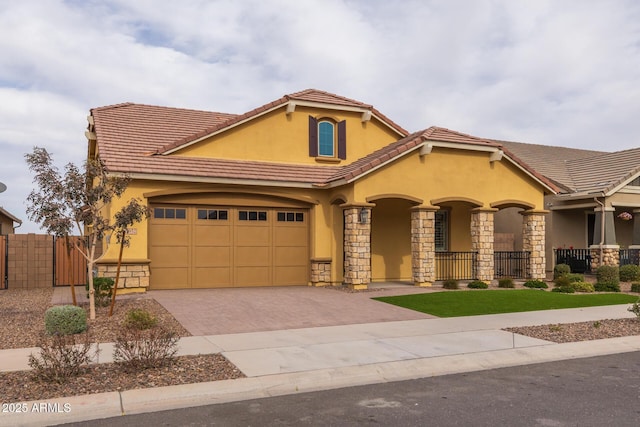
[{"x": 597, "y": 391}]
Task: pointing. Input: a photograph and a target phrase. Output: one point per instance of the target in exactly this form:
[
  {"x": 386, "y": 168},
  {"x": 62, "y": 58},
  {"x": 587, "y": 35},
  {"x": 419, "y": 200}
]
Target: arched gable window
[{"x": 327, "y": 138}]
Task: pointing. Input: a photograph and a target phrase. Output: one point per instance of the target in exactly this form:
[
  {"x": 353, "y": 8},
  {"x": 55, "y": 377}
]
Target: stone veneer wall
[
  {"x": 320, "y": 272},
  {"x": 132, "y": 275},
  {"x": 357, "y": 248},
  {"x": 610, "y": 256},
  {"x": 423, "y": 246},
  {"x": 533, "y": 241},
  {"x": 482, "y": 242}
]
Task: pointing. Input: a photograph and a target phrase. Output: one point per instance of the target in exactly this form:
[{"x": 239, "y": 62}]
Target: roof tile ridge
[
  {"x": 466, "y": 135},
  {"x": 113, "y": 106},
  {"x": 378, "y": 156},
  {"x": 343, "y": 98},
  {"x": 137, "y": 104},
  {"x": 625, "y": 177},
  {"x": 595, "y": 152}
]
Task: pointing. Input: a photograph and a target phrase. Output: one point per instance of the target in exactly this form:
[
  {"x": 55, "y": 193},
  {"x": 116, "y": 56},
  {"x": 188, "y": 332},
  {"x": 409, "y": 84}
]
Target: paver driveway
[{"x": 236, "y": 310}]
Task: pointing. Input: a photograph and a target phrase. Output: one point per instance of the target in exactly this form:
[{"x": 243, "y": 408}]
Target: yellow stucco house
[{"x": 312, "y": 188}]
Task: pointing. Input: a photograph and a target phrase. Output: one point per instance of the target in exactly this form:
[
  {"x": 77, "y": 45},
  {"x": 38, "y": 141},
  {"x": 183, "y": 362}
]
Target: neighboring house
[
  {"x": 596, "y": 211},
  {"x": 312, "y": 188},
  {"x": 7, "y": 222}
]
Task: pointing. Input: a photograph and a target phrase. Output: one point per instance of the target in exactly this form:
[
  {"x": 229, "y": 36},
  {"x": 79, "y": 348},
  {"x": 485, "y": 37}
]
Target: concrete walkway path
[{"x": 320, "y": 358}]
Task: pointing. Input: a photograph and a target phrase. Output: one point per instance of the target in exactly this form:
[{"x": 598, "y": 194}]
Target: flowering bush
[{"x": 625, "y": 216}]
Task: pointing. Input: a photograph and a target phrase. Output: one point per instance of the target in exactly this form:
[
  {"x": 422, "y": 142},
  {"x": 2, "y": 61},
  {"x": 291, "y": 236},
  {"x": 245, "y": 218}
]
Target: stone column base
[
  {"x": 320, "y": 272},
  {"x": 610, "y": 256},
  {"x": 134, "y": 274},
  {"x": 359, "y": 287}
]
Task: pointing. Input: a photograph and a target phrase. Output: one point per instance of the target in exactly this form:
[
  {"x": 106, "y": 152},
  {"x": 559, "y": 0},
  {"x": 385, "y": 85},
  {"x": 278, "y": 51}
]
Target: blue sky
[{"x": 557, "y": 72}]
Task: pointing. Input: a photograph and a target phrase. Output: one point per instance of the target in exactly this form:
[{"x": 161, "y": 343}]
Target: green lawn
[{"x": 472, "y": 303}]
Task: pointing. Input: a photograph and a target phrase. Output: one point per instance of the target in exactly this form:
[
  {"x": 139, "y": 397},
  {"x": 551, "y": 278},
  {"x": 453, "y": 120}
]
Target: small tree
[
  {"x": 125, "y": 218},
  {"x": 77, "y": 200}
]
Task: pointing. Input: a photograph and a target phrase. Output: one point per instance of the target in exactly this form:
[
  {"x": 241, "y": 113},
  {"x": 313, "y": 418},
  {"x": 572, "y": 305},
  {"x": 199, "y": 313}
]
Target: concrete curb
[{"x": 113, "y": 404}]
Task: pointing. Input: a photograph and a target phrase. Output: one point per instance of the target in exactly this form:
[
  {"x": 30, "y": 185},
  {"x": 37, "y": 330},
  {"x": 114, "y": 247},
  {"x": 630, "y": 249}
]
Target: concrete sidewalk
[{"x": 321, "y": 358}]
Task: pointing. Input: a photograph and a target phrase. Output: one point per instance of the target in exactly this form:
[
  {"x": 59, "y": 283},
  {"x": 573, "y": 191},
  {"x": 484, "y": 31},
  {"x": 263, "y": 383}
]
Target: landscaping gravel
[
  {"x": 22, "y": 317},
  {"x": 22, "y": 314}
]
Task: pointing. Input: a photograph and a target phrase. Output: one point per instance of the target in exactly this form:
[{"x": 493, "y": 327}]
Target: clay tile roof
[
  {"x": 412, "y": 141},
  {"x": 308, "y": 95},
  {"x": 604, "y": 172},
  {"x": 550, "y": 161},
  {"x": 377, "y": 158},
  {"x": 128, "y": 134},
  {"x": 314, "y": 95}
]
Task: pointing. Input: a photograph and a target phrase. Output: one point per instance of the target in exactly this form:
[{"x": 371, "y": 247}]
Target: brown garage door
[{"x": 217, "y": 246}]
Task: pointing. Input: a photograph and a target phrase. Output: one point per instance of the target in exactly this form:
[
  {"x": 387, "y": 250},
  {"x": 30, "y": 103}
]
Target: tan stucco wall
[
  {"x": 391, "y": 240},
  {"x": 284, "y": 138},
  {"x": 449, "y": 173}
]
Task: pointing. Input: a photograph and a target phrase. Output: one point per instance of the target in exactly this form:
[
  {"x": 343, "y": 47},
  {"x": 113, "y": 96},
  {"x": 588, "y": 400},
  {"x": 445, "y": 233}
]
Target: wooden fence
[
  {"x": 39, "y": 261},
  {"x": 3, "y": 262}
]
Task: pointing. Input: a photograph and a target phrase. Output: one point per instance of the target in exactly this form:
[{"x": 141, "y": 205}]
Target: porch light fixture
[{"x": 362, "y": 217}]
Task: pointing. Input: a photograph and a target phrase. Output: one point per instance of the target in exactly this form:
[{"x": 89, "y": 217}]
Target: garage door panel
[
  {"x": 253, "y": 276},
  {"x": 212, "y": 236},
  {"x": 169, "y": 278},
  {"x": 290, "y": 236},
  {"x": 290, "y": 256},
  {"x": 252, "y": 256},
  {"x": 212, "y": 256},
  {"x": 171, "y": 256},
  {"x": 290, "y": 275},
  {"x": 211, "y": 277},
  {"x": 252, "y": 236},
  {"x": 246, "y": 247},
  {"x": 169, "y": 235}
]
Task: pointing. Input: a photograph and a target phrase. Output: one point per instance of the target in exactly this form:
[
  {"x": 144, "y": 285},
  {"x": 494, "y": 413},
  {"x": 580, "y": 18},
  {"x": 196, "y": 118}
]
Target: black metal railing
[
  {"x": 579, "y": 260},
  {"x": 629, "y": 256},
  {"x": 513, "y": 264},
  {"x": 455, "y": 265}
]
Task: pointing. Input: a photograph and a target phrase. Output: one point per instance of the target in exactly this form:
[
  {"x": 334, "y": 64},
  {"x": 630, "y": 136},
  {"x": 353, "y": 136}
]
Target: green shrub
[
  {"x": 140, "y": 319},
  {"x": 536, "y": 284},
  {"x": 608, "y": 274},
  {"x": 629, "y": 273},
  {"x": 582, "y": 287},
  {"x": 574, "y": 277},
  {"x": 565, "y": 289},
  {"x": 61, "y": 357},
  {"x": 607, "y": 287},
  {"x": 561, "y": 270},
  {"x": 65, "y": 320},
  {"x": 506, "y": 283},
  {"x": 103, "y": 287},
  {"x": 477, "y": 284},
  {"x": 635, "y": 287},
  {"x": 562, "y": 281},
  {"x": 450, "y": 284}
]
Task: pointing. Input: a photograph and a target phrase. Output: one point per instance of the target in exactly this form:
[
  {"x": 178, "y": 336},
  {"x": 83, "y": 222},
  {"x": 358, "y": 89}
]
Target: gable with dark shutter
[
  {"x": 342, "y": 140},
  {"x": 313, "y": 137}
]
